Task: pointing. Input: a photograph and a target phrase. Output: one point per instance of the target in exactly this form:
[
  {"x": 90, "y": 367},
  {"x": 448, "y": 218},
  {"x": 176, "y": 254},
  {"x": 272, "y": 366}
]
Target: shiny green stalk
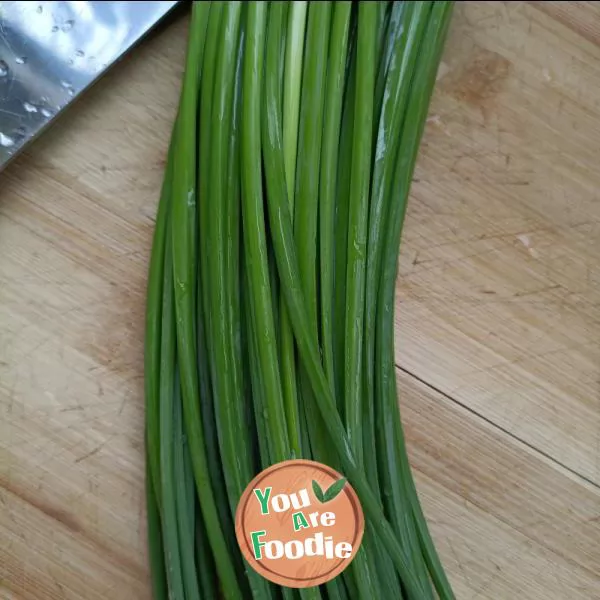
[
  {"x": 185, "y": 504},
  {"x": 292, "y": 77},
  {"x": 336, "y": 71},
  {"x": 254, "y": 235},
  {"x": 167, "y": 437},
  {"x": 155, "y": 544},
  {"x": 360, "y": 177},
  {"x": 184, "y": 274},
  {"x": 391, "y": 435}
]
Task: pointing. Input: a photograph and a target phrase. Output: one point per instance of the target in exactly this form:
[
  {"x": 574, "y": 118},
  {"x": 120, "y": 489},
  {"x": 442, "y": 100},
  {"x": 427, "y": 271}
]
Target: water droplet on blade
[
  {"x": 68, "y": 86},
  {"x": 80, "y": 53},
  {"x": 54, "y": 28},
  {"x": 3, "y": 69},
  {"x": 68, "y": 25},
  {"x": 30, "y": 108},
  {"x": 39, "y": 10},
  {"x": 46, "y": 112},
  {"x": 21, "y": 60},
  {"x": 6, "y": 141}
]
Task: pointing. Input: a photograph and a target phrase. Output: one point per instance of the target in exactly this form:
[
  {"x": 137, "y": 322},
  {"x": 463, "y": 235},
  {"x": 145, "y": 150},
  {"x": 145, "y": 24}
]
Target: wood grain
[
  {"x": 497, "y": 333},
  {"x": 500, "y": 267},
  {"x": 508, "y": 522}
]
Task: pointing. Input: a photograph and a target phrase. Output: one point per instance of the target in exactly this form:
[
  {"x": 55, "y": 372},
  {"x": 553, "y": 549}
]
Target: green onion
[
  {"x": 341, "y": 226},
  {"x": 305, "y": 205},
  {"x": 202, "y": 312},
  {"x": 291, "y": 106},
  {"x": 254, "y": 230},
  {"x": 271, "y": 284},
  {"x": 357, "y": 226},
  {"x": 205, "y": 564},
  {"x": 406, "y": 33},
  {"x": 328, "y": 177},
  {"x": 260, "y": 272},
  {"x": 185, "y": 501},
  {"x": 155, "y": 545},
  {"x": 305, "y": 220},
  {"x": 291, "y": 95},
  {"x": 183, "y": 224},
  {"x": 153, "y": 327},
  {"x": 233, "y": 435},
  {"x": 421, "y": 88},
  {"x": 167, "y": 435}
]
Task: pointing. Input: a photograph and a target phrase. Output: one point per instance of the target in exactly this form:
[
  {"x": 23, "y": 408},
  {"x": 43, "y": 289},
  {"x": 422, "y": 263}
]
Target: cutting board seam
[{"x": 504, "y": 432}]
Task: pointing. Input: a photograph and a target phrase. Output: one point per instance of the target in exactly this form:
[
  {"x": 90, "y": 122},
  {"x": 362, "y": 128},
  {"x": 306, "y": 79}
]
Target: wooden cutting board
[{"x": 498, "y": 320}]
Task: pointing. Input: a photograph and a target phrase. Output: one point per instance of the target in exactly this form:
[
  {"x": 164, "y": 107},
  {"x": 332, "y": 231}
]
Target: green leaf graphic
[
  {"x": 334, "y": 490},
  {"x": 318, "y": 491}
]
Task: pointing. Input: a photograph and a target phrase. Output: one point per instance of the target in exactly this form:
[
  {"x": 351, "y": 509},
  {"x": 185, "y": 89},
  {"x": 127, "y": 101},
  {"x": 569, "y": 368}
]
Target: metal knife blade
[{"x": 50, "y": 52}]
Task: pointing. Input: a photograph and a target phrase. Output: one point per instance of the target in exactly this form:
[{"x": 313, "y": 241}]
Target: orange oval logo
[{"x": 299, "y": 523}]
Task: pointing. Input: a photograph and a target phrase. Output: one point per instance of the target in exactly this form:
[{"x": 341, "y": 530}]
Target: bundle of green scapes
[{"x": 271, "y": 285}]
